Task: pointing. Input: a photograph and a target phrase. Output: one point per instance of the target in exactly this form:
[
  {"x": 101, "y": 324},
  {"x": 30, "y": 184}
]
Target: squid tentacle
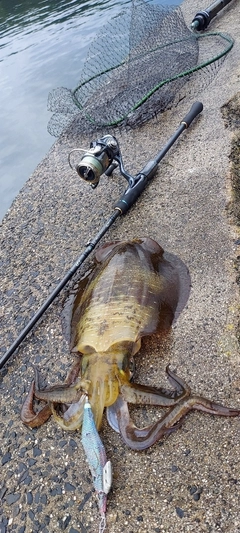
[
  {"x": 142, "y": 394},
  {"x": 29, "y": 416},
  {"x": 73, "y": 416},
  {"x": 70, "y": 392},
  {"x": 139, "y": 439}
]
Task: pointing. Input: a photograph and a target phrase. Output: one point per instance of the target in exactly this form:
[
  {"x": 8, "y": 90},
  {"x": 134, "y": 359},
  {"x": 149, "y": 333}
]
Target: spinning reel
[{"x": 103, "y": 157}]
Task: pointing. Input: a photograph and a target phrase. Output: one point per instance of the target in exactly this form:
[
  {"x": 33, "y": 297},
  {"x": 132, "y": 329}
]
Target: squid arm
[
  {"x": 136, "y": 438},
  {"x": 140, "y": 439},
  {"x": 28, "y": 416},
  {"x": 72, "y": 418},
  {"x": 68, "y": 393},
  {"x": 145, "y": 395}
]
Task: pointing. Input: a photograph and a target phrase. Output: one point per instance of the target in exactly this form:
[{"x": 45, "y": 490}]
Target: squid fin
[
  {"x": 102, "y": 252},
  {"x": 182, "y": 281}
]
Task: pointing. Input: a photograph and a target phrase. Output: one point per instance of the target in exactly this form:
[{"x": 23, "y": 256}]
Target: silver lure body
[{"x": 96, "y": 456}]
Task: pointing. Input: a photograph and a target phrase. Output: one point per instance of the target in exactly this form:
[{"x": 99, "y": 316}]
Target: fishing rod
[
  {"x": 203, "y": 18},
  {"x": 103, "y": 157}
]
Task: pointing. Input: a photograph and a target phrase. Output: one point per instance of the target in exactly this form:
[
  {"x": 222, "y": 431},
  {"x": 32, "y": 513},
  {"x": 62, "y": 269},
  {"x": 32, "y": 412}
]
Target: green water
[{"x": 43, "y": 45}]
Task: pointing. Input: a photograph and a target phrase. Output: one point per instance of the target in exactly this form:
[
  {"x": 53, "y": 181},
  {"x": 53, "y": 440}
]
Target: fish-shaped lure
[{"x": 99, "y": 466}]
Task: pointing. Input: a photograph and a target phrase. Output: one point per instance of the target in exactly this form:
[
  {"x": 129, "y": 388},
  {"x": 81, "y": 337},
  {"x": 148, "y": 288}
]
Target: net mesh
[{"x": 138, "y": 63}]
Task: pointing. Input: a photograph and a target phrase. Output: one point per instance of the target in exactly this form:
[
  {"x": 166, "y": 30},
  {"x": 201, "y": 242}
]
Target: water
[{"x": 43, "y": 45}]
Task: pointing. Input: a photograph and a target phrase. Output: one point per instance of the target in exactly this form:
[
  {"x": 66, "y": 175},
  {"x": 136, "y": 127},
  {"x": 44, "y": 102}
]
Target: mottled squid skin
[{"x": 135, "y": 290}]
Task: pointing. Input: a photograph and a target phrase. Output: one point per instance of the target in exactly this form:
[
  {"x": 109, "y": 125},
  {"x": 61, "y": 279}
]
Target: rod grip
[
  {"x": 131, "y": 195},
  {"x": 196, "y": 108},
  {"x": 203, "y": 18}
]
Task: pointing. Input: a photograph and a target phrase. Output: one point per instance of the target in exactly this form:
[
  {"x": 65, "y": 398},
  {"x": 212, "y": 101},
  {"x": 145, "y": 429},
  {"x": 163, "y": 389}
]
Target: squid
[{"x": 135, "y": 290}]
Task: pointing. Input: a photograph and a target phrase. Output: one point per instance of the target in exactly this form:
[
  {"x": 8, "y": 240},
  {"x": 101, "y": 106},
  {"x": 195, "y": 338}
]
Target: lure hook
[{"x": 102, "y": 525}]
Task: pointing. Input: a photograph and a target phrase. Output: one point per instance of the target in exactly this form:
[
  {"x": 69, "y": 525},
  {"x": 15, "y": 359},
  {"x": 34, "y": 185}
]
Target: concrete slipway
[{"x": 190, "y": 481}]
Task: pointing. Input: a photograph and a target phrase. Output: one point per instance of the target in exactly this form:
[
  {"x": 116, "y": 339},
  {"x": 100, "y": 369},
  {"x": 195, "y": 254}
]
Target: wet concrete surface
[{"x": 189, "y": 481}]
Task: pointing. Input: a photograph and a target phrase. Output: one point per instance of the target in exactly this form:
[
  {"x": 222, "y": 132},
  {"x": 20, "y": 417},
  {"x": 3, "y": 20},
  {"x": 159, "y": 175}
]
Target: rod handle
[
  {"x": 131, "y": 194},
  {"x": 142, "y": 179},
  {"x": 196, "y": 108},
  {"x": 203, "y": 18}
]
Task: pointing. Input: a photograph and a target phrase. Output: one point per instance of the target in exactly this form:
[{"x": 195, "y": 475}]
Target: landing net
[{"x": 135, "y": 68}]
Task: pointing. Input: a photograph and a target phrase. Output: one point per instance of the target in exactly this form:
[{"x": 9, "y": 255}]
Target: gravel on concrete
[{"x": 190, "y": 481}]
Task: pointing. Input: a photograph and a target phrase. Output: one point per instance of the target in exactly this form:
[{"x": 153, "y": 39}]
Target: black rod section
[
  {"x": 91, "y": 245},
  {"x": 203, "y": 18},
  {"x": 143, "y": 178},
  {"x": 127, "y": 200}
]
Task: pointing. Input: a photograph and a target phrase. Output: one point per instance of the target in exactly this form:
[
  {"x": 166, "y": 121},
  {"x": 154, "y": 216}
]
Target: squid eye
[
  {"x": 125, "y": 363},
  {"x": 129, "y": 365},
  {"x": 132, "y": 367}
]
